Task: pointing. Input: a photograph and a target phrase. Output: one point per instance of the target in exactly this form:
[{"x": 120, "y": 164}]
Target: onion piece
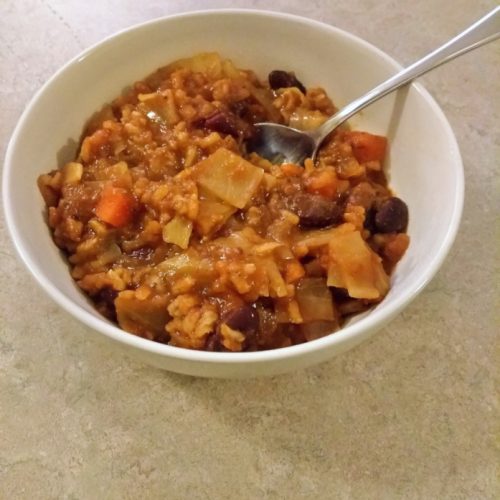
[
  {"x": 178, "y": 231},
  {"x": 229, "y": 177},
  {"x": 318, "y": 329},
  {"x": 355, "y": 266},
  {"x": 315, "y": 300}
]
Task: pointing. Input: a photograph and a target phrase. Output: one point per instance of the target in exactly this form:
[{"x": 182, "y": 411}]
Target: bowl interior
[{"x": 425, "y": 166}]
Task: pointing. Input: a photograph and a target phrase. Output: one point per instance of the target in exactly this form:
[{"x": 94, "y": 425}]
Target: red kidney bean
[
  {"x": 213, "y": 342},
  {"x": 370, "y": 220},
  {"x": 241, "y": 108},
  {"x": 391, "y": 216},
  {"x": 243, "y": 318},
  {"x": 223, "y": 122},
  {"x": 279, "y": 79},
  {"x": 105, "y": 299},
  {"x": 107, "y": 295}
]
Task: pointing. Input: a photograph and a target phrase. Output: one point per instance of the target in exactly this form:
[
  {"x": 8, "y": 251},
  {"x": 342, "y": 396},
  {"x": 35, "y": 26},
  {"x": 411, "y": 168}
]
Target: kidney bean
[
  {"x": 222, "y": 122},
  {"x": 279, "y": 79},
  {"x": 370, "y": 220},
  {"x": 105, "y": 299},
  {"x": 107, "y": 295},
  {"x": 241, "y": 108},
  {"x": 213, "y": 342},
  {"x": 243, "y": 318},
  {"x": 315, "y": 210},
  {"x": 391, "y": 216}
]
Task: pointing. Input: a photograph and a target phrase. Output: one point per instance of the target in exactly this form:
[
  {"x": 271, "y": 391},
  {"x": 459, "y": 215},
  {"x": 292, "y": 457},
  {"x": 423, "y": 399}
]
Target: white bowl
[{"x": 425, "y": 164}]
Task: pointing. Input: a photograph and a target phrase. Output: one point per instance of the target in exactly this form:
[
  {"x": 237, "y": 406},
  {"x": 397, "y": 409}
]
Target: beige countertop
[{"x": 409, "y": 414}]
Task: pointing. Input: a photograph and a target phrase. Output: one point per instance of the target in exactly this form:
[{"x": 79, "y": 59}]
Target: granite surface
[{"x": 410, "y": 414}]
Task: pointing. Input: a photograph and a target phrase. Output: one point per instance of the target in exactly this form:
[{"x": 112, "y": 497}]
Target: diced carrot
[
  {"x": 395, "y": 247},
  {"x": 116, "y": 206},
  {"x": 292, "y": 170},
  {"x": 367, "y": 147},
  {"x": 323, "y": 182}
]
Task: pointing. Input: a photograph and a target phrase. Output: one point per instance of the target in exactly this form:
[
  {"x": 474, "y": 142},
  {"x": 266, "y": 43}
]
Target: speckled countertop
[{"x": 409, "y": 414}]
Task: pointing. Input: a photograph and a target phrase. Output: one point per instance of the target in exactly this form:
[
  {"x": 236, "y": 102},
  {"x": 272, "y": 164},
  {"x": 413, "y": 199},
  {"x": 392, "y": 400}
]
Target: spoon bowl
[{"x": 279, "y": 143}]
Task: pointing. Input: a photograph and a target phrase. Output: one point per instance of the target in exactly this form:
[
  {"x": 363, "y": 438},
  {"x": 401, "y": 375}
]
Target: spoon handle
[{"x": 483, "y": 31}]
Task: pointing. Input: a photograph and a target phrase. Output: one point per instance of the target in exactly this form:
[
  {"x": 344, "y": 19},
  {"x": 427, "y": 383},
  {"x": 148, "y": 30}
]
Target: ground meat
[
  {"x": 362, "y": 194},
  {"x": 80, "y": 200},
  {"x": 315, "y": 210}
]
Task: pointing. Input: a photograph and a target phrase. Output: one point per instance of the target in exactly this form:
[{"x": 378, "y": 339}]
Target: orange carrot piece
[
  {"x": 395, "y": 247},
  {"x": 367, "y": 147},
  {"x": 115, "y": 207}
]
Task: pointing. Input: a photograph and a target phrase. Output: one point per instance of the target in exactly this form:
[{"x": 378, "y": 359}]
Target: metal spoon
[{"x": 274, "y": 141}]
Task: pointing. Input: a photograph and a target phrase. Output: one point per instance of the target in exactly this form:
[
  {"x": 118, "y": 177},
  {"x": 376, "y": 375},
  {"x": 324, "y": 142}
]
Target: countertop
[{"x": 409, "y": 414}]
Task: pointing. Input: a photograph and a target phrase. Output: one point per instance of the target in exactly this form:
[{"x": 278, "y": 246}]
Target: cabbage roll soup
[{"x": 180, "y": 235}]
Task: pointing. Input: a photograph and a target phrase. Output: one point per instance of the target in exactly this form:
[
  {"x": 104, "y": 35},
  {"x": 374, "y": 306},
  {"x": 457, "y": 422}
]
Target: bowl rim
[{"x": 374, "y": 321}]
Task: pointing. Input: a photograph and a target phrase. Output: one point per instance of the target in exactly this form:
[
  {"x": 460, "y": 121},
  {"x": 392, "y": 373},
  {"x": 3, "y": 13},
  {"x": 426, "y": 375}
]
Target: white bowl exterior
[{"x": 425, "y": 164}]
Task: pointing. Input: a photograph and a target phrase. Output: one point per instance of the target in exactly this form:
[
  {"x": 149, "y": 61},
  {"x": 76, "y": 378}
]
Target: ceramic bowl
[{"x": 424, "y": 163}]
